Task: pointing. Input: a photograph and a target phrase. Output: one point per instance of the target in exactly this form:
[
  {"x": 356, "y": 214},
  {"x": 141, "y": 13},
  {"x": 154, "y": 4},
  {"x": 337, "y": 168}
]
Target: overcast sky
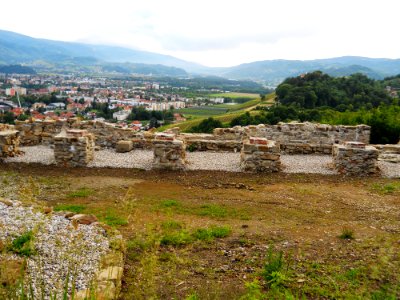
[{"x": 217, "y": 32}]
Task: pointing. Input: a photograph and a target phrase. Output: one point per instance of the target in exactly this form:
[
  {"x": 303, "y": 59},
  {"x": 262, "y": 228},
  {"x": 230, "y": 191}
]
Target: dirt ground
[{"x": 209, "y": 235}]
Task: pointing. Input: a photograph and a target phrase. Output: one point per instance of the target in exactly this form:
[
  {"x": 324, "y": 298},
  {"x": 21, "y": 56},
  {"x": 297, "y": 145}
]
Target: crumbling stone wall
[
  {"x": 74, "y": 148},
  {"x": 260, "y": 155},
  {"x": 9, "y": 141},
  {"x": 293, "y": 137},
  {"x": 169, "y": 153},
  {"x": 355, "y": 158}
]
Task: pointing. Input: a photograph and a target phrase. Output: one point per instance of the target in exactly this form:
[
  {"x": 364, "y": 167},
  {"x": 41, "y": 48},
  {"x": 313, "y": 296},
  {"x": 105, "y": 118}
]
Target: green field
[
  {"x": 235, "y": 95},
  {"x": 223, "y": 112}
]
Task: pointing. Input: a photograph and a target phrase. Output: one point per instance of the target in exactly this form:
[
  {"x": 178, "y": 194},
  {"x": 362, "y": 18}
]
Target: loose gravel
[
  {"x": 108, "y": 158},
  {"x": 62, "y": 250},
  {"x": 223, "y": 161},
  {"x": 319, "y": 164}
]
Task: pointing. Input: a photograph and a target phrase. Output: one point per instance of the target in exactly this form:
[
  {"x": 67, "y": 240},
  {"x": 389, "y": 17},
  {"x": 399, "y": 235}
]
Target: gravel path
[
  {"x": 61, "y": 249},
  {"x": 224, "y": 161}
]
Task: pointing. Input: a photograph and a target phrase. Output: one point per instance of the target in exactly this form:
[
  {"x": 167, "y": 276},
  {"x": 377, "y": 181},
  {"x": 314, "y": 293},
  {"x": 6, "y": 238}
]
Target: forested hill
[
  {"x": 351, "y": 100},
  {"x": 317, "y": 89},
  {"x": 16, "y": 69}
]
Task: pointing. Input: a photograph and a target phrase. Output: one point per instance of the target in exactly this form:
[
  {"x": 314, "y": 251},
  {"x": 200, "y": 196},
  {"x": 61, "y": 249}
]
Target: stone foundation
[
  {"x": 169, "y": 153},
  {"x": 294, "y": 138},
  {"x": 9, "y": 141},
  {"x": 355, "y": 158},
  {"x": 74, "y": 148},
  {"x": 260, "y": 155}
]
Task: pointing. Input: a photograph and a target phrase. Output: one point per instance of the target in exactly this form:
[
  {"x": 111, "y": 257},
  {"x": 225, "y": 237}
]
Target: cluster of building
[{"x": 71, "y": 96}]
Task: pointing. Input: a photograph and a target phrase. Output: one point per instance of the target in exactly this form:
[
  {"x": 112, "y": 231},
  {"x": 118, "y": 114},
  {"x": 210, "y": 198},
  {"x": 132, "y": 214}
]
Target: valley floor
[{"x": 210, "y": 234}]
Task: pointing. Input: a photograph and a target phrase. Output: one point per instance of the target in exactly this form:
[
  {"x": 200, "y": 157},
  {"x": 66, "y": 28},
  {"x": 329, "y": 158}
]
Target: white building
[{"x": 121, "y": 115}]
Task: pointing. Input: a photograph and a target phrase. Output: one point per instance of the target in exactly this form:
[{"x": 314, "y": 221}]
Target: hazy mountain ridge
[
  {"x": 41, "y": 54},
  {"x": 275, "y": 71}
]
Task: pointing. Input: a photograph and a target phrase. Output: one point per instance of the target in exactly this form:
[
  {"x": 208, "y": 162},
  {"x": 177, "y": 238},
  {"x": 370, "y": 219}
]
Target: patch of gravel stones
[
  {"x": 62, "y": 250},
  {"x": 224, "y": 161},
  {"x": 389, "y": 169},
  {"x": 35, "y": 154},
  {"x": 319, "y": 164},
  {"x": 141, "y": 159},
  {"x": 207, "y": 160}
]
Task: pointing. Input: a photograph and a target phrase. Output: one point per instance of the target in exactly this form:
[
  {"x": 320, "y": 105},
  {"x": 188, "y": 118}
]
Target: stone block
[{"x": 124, "y": 146}]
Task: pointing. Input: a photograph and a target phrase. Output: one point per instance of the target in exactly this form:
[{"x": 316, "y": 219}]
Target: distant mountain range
[{"x": 45, "y": 55}]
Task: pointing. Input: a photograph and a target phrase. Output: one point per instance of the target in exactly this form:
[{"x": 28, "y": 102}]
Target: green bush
[{"x": 207, "y": 126}]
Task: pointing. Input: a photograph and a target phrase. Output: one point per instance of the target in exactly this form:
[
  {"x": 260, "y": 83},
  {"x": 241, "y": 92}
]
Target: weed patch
[
  {"x": 208, "y": 234},
  {"x": 274, "y": 273},
  {"x": 213, "y": 210},
  {"x": 81, "y": 193},
  {"x": 347, "y": 234},
  {"x": 70, "y": 207},
  {"x": 23, "y": 245},
  {"x": 112, "y": 219}
]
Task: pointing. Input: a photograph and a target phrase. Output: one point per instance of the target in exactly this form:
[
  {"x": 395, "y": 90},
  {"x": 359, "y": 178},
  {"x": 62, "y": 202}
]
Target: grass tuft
[
  {"x": 347, "y": 234},
  {"x": 81, "y": 193},
  {"x": 213, "y": 210},
  {"x": 70, "y": 207}
]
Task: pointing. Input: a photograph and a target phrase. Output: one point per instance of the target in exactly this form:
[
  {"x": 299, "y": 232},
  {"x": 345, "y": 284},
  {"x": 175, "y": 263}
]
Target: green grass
[
  {"x": 171, "y": 225},
  {"x": 113, "y": 219},
  {"x": 235, "y": 95},
  {"x": 81, "y": 193},
  {"x": 179, "y": 237},
  {"x": 213, "y": 210},
  {"x": 169, "y": 203},
  {"x": 203, "y": 111},
  {"x": 23, "y": 244},
  {"x": 208, "y": 234},
  {"x": 388, "y": 188},
  {"x": 70, "y": 207},
  {"x": 233, "y": 112}
]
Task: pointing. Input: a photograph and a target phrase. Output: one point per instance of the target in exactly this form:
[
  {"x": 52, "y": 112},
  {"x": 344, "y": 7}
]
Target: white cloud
[{"x": 219, "y": 32}]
